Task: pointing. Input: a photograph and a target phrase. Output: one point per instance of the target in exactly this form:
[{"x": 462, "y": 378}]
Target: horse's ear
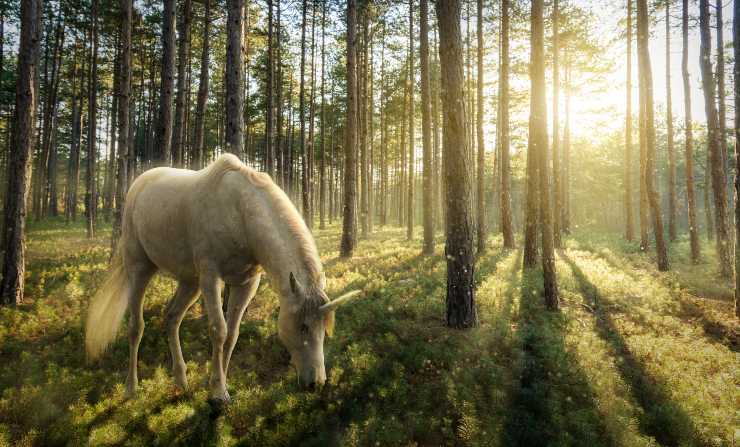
[{"x": 295, "y": 286}]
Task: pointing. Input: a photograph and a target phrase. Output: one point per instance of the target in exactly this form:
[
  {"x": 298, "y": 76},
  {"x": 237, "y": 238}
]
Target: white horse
[{"x": 222, "y": 224}]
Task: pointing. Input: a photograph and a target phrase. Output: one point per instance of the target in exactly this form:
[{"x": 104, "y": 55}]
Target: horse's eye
[{"x": 304, "y": 328}]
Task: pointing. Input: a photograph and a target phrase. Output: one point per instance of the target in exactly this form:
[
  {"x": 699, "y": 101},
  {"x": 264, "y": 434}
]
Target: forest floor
[{"x": 636, "y": 357}]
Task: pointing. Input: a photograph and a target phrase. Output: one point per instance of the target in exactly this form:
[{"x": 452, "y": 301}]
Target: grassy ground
[{"x": 636, "y": 357}]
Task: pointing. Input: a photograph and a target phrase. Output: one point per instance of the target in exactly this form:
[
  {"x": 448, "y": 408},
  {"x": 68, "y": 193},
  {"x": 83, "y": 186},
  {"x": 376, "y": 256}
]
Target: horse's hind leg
[
  {"x": 238, "y": 302},
  {"x": 139, "y": 277},
  {"x": 185, "y": 296}
]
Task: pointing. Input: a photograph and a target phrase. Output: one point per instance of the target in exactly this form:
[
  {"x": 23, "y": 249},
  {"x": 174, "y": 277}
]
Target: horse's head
[{"x": 302, "y": 329}]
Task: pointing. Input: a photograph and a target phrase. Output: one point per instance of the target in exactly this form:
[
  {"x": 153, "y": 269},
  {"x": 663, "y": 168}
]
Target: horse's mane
[{"x": 280, "y": 202}]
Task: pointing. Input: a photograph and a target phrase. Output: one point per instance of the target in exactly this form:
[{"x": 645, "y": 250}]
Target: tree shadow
[
  {"x": 553, "y": 403},
  {"x": 662, "y": 418}
]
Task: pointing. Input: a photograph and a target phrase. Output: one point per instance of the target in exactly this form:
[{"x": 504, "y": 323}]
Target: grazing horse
[{"x": 221, "y": 225}]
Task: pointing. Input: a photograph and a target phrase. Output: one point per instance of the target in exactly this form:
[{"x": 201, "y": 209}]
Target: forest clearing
[{"x": 636, "y": 357}]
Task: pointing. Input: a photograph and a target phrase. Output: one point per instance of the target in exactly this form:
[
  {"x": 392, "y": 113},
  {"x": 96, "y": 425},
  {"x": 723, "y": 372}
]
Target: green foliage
[{"x": 636, "y": 357}]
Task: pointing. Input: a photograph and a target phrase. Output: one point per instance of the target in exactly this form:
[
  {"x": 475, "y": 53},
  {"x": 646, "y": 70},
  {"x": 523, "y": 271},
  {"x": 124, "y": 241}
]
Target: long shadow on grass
[
  {"x": 690, "y": 311},
  {"x": 553, "y": 403},
  {"x": 662, "y": 418}
]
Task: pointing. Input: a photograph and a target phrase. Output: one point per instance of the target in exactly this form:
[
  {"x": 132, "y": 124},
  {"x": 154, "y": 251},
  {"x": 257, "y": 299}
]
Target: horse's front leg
[
  {"x": 185, "y": 296},
  {"x": 210, "y": 286},
  {"x": 238, "y": 302}
]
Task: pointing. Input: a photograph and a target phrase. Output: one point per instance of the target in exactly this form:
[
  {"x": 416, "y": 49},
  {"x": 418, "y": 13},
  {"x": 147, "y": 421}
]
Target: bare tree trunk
[
  {"x": 270, "y": 101},
  {"x": 689, "y": 138},
  {"x": 736, "y": 71},
  {"x": 428, "y": 208},
  {"x": 412, "y": 164},
  {"x": 672, "y": 200},
  {"x": 14, "y": 228},
  {"x": 350, "y": 183},
  {"x": 722, "y": 104},
  {"x": 91, "y": 193},
  {"x": 322, "y": 167},
  {"x": 163, "y": 135},
  {"x": 279, "y": 147},
  {"x": 124, "y": 103},
  {"x": 629, "y": 232},
  {"x": 646, "y": 98},
  {"x": 362, "y": 105},
  {"x": 234, "y": 74},
  {"x": 719, "y": 186},
  {"x": 538, "y": 151},
  {"x": 557, "y": 193},
  {"x": 461, "y": 309},
  {"x": 305, "y": 185},
  {"x": 565, "y": 219},
  {"x": 312, "y": 121},
  {"x": 183, "y": 56},
  {"x": 202, "y": 102},
  {"x": 506, "y": 226},
  {"x": 481, "y": 211}
]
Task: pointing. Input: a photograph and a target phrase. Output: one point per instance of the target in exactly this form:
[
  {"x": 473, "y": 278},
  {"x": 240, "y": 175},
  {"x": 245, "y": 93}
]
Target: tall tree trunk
[
  {"x": 279, "y": 146},
  {"x": 629, "y": 231},
  {"x": 411, "y": 160},
  {"x": 689, "y": 138},
  {"x": 557, "y": 193},
  {"x": 426, "y": 127},
  {"x": 14, "y": 255},
  {"x": 736, "y": 71},
  {"x": 162, "y": 146},
  {"x": 91, "y": 194},
  {"x": 460, "y": 301},
  {"x": 646, "y": 98},
  {"x": 183, "y": 56},
  {"x": 74, "y": 146},
  {"x": 672, "y": 200},
  {"x": 202, "y": 102},
  {"x": 721, "y": 102},
  {"x": 350, "y": 135},
  {"x": 565, "y": 218},
  {"x": 503, "y": 94},
  {"x": 305, "y": 181},
  {"x": 312, "y": 121},
  {"x": 538, "y": 151},
  {"x": 269, "y": 100},
  {"x": 322, "y": 168},
  {"x": 362, "y": 105},
  {"x": 719, "y": 186},
  {"x": 234, "y": 74},
  {"x": 383, "y": 138},
  {"x": 481, "y": 209},
  {"x": 124, "y": 103}
]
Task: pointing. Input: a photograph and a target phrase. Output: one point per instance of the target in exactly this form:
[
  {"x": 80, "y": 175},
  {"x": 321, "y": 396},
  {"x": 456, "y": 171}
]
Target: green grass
[{"x": 636, "y": 357}]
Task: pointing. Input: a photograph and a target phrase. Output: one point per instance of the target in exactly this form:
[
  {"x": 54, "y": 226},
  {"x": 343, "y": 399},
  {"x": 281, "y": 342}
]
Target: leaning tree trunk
[
  {"x": 350, "y": 135},
  {"x": 646, "y": 96},
  {"x": 507, "y": 228},
  {"x": 719, "y": 187},
  {"x": 183, "y": 56},
  {"x": 629, "y": 231},
  {"x": 689, "y": 138},
  {"x": 461, "y": 309},
  {"x": 163, "y": 141},
  {"x": 538, "y": 151},
  {"x": 428, "y": 192},
  {"x": 202, "y": 102},
  {"x": 234, "y": 72},
  {"x": 11, "y": 287}
]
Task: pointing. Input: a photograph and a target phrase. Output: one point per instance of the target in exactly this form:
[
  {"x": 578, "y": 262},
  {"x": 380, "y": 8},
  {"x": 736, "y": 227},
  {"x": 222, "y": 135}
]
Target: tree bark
[
  {"x": 411, "y": 159},
  {"x": 646, "y": 98},
  {"x": 672, "y": 200},
  {"x": 350, "y": 182},
  {"x": 481, "y": 208},
  {"x": 322, "y": 112},
  {"x": 557, "y": 193},
  {"x": 428, "y": 208},
  {"x": 460, "y": 301},
  {"x": 183, "y": 56},
  {"x": 11, "y": 287},
  {"x": 719, "y": 186},
  {"x": 234, "y": 74},
  {"x": 202, "y": 102},
  {"x": 736, "y": 71},
  {"x": 269, "y": 100},
  {"x": 503, "y": 94},
  {"x": 629, "y": 231},
  {"x": 305, "y": 180},
  {"x": 689, "y": 138},
  {"x": 162, "y": 145},
  {"x": 91, "y": 194}
]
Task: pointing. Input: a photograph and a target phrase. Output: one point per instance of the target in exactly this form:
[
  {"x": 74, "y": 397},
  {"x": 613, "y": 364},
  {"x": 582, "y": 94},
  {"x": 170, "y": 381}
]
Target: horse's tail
[{"x": 106, "y": 309}]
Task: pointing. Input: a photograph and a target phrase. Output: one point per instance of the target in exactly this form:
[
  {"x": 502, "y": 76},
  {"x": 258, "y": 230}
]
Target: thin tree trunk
[
  {"x": 646, "y": 98},
  {"x": 736, "y": 70},
  {"x": 428, "y": 209},
  {"x": 503, "y": 94},
  {"x": 672, "y": 200},
  {"x": 270, "y": 101},
  {"x": 362, "y": 105},
  {"x": 412, "y": 165},
  {"x": 14, "y": 256},
  {"x": 719, "y": 186},
  {"x": 124, "y": 96},
  {"x": 162, "y": 146},
  {"x": 629, "y": 232},
  {"x": 322, "y": 173},
  {"x": 91, "y": 193},
  {"x": 481, "y": 211},
  {"x": 312, "y": 120},
  {"x": 202, "y": 102},
  {"x": 722, "y": 104},
  {"x": 350, "y": 182},
  {"x": 689, "y": 138},
  {"x": 305, "y": 187},
  {"x": 557, "y": 193},
  {"x": 183, "y": 56},
  {"x": 234, "y": 74},
  {"x": 565, "y": 219}
]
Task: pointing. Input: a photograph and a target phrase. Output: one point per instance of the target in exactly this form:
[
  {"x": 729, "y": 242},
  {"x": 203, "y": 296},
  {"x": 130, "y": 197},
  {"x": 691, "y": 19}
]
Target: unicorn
[{"x": 224, "y": 224}]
